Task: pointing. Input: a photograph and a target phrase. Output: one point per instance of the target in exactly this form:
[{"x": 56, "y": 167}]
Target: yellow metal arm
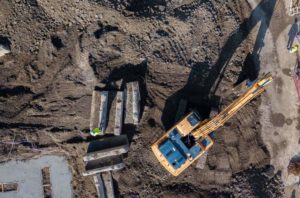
[{"x": 232, "y": 109}]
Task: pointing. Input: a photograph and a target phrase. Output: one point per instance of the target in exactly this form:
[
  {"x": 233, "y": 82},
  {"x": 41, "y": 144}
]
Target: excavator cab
[{"x": 177, "y": 148}]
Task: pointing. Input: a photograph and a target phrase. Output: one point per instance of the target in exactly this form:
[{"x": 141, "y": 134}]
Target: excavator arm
[{"x": 233, "y": 108}]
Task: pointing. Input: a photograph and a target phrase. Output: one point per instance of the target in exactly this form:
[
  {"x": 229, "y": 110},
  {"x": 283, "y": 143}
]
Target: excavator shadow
[{"x": 204, "y": 79}]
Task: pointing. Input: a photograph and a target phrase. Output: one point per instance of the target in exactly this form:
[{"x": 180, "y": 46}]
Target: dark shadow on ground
[
  {"x": 251, "y": 66},
  {"x": 293, "y": 194},
  {"x": 204, "y": 79},
  {"x": 5, "y": 42},
  {"x": 250, "y": 69},
  {"x": 130, "y": 130},
  {"x": 116, "y": 188},
  {"x": 107, "y": 142},
  {"x": 292, "y": 33}
]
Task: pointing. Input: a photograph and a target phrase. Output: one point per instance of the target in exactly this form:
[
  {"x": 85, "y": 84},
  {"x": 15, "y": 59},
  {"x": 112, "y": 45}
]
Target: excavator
[{"x": 191, "y": 137}]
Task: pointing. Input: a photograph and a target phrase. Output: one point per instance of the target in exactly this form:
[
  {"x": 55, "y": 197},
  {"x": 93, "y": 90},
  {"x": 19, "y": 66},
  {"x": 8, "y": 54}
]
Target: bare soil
[
  {"x": 295, "y": 3},
  {"x": 62, "y": 50}
]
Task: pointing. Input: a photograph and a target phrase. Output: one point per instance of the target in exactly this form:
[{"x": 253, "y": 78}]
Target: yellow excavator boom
[{"x": 233, "y": 108}]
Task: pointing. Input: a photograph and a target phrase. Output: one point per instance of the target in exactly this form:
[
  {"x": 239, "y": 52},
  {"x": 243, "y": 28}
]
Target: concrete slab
[
  {"x": 107, "y": 111},
  {"x": 104, "y": 185},
  {"x": 28, "y": 176},
  {"x": 106, "y": 155},
  {"x": 111, "y": 112},
  {"x": 106, "y": 147},
  {"x": 136, "y": 98},
  {"x": 103, "y": 165},
  {"x": 99, "y": 185},
  {"x": 103, "y": 111},
  {"x": 94, "y": 119},
  {"x": 132, "y": 98},
  {"x": 119, "y": 113}
]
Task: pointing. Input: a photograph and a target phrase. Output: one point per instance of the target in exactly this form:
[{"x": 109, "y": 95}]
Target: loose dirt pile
[{"x": 188, "y": 49}]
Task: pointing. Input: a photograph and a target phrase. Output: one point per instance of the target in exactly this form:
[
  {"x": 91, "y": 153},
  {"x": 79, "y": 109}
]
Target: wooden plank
[{"x": 46, "y": 182}]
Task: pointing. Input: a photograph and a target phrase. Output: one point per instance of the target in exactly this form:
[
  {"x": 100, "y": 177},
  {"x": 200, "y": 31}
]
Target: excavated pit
[{"x": 189, "y": 50}]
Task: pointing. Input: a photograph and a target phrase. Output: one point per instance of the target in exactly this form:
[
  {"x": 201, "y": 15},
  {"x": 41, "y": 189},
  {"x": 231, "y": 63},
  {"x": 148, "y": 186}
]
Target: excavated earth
[{"x": 62, "y": 50}]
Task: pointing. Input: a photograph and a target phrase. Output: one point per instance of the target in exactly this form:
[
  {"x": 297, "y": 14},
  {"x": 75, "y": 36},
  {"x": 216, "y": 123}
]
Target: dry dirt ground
[{"x": 176, "y": 49}]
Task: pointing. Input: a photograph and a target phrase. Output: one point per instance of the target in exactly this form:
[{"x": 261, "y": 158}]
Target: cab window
[{"x": 193, "y": 120}]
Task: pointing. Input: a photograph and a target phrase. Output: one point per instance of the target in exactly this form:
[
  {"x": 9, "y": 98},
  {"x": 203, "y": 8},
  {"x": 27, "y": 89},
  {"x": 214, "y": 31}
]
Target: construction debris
[
  {"x": 7, "y": 187},
  {"x": 46, "y": 182}
]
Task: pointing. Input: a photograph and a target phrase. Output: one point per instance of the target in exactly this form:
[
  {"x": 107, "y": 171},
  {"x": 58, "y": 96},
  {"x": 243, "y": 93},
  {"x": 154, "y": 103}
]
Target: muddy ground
[{"x": 62, "y": 50}]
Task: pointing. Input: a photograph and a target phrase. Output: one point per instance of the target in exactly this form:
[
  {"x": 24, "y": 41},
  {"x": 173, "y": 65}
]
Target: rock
[{"x": 161, "y": 8}]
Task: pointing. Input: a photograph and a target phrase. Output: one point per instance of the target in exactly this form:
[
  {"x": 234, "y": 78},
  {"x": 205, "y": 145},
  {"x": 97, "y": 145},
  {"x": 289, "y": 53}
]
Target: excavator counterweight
[{"x": 191, "y": 137}]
